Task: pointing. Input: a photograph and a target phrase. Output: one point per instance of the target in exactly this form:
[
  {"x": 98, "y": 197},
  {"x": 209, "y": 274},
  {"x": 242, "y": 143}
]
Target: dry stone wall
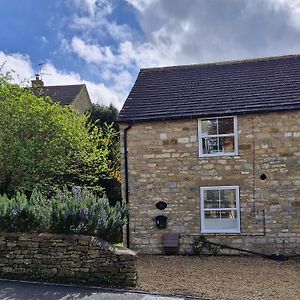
[
  {"x": 164, "y": 165},
  {"x": 65, "y": 258}
]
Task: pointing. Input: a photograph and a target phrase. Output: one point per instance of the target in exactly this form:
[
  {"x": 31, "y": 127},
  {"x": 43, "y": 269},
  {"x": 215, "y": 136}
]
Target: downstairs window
[{"x": 220, "y": 211}]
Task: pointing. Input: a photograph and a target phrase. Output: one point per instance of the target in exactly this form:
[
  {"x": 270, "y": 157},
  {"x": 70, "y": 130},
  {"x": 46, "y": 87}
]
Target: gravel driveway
[{"x": 230, "y": 278}]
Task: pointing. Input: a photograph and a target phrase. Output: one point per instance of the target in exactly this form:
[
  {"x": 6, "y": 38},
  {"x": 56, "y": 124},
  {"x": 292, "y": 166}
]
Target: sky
[{"x": 104, "y": 43}]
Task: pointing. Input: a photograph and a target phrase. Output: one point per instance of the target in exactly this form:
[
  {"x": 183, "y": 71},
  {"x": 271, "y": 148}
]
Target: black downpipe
[{"x": 126, "y": 183}]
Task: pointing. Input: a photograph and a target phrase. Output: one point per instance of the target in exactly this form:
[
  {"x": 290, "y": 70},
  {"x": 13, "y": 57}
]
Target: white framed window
[
  {"x": 218, "y": 136},
  {"x": 220, "y": 209}
]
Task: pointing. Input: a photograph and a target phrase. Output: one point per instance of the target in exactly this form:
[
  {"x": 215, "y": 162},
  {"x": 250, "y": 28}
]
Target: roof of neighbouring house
[
  {"x": 223, "y": 88},
  {"x": 64, "y": 94}
]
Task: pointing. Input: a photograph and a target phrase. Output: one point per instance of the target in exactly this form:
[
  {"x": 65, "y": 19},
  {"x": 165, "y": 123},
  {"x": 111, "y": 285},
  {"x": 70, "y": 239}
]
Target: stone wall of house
[
  {"x": 82, "y": 102},
  {"x": 65, "y": 258},
  {"x": 164, "y": 165}
]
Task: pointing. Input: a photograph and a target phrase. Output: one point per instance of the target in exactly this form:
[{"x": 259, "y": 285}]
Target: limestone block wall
[
  {"x": 164, "y": 165},
  {"x": 65, "y": 258},
  {"x": 82, "y": 102}
]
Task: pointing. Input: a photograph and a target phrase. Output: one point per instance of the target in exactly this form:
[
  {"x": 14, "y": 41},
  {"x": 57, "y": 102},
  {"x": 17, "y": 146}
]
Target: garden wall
[{"x": 65, "y": 258}]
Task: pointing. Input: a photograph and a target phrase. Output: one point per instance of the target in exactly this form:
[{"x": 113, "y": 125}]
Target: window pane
[
  {"x": 209, "y": 127},
  {"x": 228, "y": 214},
  {"x": 226, "y": 144},
  {"x": 229, "y": 220},
  {"x": 210, "y": 145},
  {"x": 211, "y": 195},
  {"x": 226, "y": 125},
  {"x": 211, "y": 199},
  {"x": 212, "y": 214},
  {"x": 228, "y": 198},
  {"x": 212, "y": 220},
  {"x": 221, "y": 221}
]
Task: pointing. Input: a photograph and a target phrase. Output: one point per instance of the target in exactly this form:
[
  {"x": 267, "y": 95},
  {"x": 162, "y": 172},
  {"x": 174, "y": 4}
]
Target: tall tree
[
  {"x": 45, "y": 145},
  {"x": 105, "y": 117},
  {"x": 102, "y": 114}
]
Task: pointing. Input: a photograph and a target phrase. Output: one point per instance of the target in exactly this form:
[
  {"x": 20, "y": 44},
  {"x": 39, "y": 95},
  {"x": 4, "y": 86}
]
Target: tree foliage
[
  {"x": 103, "y": 116},
  {"x": 46, "y": 146}
]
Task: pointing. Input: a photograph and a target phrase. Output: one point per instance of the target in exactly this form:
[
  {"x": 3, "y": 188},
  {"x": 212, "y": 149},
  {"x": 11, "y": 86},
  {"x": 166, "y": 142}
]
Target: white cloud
[
  {"x": 99, "y": 24},
  {"x": 97, "y": 20},
  {"x": 44, "y": 40},
  {"x": 106, "y": 95},
  {"x": 141, "y": 5},
  {"x": 88, "y": 6},
  {"x": 176, "y": 32},
  {"x": 90, "y": 53},
  {"x": 18, "y": 65},
  {"x": 127, "y": 55},
  {"x": 292, "y": 7},
  {"x": 184, "y": 32},
  {"x": 24, "y": 71}
]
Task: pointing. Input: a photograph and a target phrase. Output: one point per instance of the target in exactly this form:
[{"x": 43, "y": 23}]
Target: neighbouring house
[
  {"x": 214, "y": 150},
  {"x": 75, "y": 95}
]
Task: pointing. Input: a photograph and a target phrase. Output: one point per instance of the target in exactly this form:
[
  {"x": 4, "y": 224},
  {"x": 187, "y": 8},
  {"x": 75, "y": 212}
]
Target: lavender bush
[{"x": 79, "y": 212}]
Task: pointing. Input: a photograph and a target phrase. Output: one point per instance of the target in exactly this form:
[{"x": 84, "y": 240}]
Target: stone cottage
[
  {"x": 214, "y": 150},
  {"x": 75, "y": 95}
]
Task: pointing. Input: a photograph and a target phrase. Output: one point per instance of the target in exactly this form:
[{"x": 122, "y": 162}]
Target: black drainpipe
[{"x": 126, "y": 182}]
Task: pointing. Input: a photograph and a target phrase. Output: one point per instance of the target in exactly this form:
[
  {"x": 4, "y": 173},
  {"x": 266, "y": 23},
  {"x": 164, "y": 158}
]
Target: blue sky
[{"x": 104, "y": 43}]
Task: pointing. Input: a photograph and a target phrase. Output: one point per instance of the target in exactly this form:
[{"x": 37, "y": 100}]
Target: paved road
[{"x": 17, "y": 290}]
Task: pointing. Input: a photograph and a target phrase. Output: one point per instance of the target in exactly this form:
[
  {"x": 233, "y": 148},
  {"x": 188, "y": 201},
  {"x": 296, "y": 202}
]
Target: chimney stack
[{"x": 37, "y": 82}]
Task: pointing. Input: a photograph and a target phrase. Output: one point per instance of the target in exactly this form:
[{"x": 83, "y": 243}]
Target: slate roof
[
  {"x": 64, "y": 94},
  {"x": 215, "y": 89}
]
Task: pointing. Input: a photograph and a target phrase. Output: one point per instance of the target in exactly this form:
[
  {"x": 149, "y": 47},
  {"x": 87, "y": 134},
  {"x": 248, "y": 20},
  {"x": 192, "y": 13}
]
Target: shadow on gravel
[
  {"x": 15, "y": 290},
  {"x": 31, "y": 291}
]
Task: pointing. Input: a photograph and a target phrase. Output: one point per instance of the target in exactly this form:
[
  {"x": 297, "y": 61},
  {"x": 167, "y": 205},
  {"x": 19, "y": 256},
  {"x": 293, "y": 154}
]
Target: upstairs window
[
  {"x": 218, "y": 136},
  {"x": 220, "y": 211}
]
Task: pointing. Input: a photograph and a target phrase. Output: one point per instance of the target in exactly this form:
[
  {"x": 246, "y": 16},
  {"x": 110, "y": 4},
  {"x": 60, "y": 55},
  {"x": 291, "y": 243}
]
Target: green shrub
[
  {"x": 21, "y": 214},
  {"x": 79, "y": 212},
  {"x": 82, "y": 212},
  {"x": 4, "y": 213}
]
